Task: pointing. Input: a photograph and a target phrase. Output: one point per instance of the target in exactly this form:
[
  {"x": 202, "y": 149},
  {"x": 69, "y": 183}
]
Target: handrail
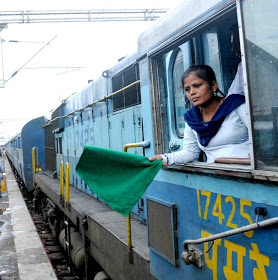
[
  {"x": 33, "y": 160},
  {"x": 37, "y": 159},
  {"x": 62, "y": 179},
  {"x": 67, "y": 183},
  {"x": 144, "y": 144},
  {"x": 50, "y": 148},
  {"x": 243, "y": 229},
  {"x": 93, "y": 103},
  {"x": 34, "y": 163}
]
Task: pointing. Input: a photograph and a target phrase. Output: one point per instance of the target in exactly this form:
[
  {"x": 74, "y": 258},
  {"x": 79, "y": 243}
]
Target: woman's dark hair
[{"x": 203, "y": 72}]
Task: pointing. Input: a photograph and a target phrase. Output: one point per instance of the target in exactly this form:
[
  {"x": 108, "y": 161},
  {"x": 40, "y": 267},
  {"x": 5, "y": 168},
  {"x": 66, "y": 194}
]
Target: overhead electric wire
[
  {"x": 55, "y": 67},
  {"x": 16, "y": 41},
  {"x": 30, "y": 58},
  {"x": 67, "y": 71}
]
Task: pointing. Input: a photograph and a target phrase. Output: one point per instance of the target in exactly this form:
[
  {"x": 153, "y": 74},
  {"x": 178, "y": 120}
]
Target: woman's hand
[{"x": 156, "y": 157}]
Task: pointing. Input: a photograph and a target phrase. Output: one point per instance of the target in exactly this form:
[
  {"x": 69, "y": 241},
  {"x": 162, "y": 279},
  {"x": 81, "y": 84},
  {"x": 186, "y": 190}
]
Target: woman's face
[{"x": 197, "y": 90}]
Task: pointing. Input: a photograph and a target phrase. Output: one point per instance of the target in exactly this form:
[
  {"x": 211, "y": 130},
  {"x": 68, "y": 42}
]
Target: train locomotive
[
  {"x": 19, "y": 150},
  {"x": 195, "y": 221}
]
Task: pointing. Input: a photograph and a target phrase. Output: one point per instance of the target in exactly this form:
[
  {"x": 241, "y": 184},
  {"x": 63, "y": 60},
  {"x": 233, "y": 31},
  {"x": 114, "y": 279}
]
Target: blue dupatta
[{"x": 207, "y": 130}]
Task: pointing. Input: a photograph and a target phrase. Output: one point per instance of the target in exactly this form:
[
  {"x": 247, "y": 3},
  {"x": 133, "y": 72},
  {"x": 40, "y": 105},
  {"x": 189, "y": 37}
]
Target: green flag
[{"x": 118, "y": 178}]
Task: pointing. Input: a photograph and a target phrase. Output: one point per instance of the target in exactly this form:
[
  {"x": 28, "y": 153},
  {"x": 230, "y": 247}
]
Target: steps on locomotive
[{"x": 106, "y": 231}]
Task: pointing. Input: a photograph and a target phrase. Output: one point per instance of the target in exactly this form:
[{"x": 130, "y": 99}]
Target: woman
[{"x": 215, "y": 125}]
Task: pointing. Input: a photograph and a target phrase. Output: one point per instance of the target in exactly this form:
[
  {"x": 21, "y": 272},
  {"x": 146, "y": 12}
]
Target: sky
[{"x": 94, "y": 47}]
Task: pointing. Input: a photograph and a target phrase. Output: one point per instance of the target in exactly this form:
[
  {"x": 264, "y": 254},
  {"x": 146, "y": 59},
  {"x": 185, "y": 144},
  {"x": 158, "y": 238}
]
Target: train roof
[
  {"x": 96, "y": 89},
  {"x": 123, "y": 63},
  {"x": 175, "y": 22}
]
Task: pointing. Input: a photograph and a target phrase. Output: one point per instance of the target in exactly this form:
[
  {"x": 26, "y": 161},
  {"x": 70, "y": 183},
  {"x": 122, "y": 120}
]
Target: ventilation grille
[
  {"x": 162, "y": 229},
  {"x": 131, "y": 96}
]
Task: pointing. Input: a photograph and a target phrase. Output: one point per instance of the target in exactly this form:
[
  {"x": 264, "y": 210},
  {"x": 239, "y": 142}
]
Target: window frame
[
  {"x": 174, "y": 55},
  {"x": 245, "y": 80},
  {"x": 159, "y": 99},
  {"x": 258, "y": 173}
]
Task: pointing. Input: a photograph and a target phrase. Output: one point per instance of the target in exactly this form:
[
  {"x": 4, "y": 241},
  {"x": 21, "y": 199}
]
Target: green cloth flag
[{"x": 117, "y": 178}]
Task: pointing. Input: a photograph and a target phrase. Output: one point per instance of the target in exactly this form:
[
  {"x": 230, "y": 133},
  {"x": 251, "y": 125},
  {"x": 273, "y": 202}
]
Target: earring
[
  {"x": 214, "y": 93},
  {"x": 186, "y": 102}
]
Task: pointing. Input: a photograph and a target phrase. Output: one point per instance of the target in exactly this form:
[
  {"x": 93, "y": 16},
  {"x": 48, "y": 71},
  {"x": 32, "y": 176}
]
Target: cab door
[{"x": 259, "y": 38}]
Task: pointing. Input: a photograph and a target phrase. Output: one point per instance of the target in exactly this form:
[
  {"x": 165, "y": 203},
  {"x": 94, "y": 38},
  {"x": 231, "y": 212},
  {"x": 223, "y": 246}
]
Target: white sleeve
[
  {"x": 237, "y": 86},
  {"x": 190, "y": 152},
  {"x": 242, "y": 113}
]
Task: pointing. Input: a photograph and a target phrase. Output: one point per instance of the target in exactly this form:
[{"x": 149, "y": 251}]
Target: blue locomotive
[
  {"x": 199, "y": 220},
  {"x": 19, "y": 150}
]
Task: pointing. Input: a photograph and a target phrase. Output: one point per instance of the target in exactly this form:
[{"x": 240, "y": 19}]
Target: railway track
[
  {"x": 53, "y": 248},
  {"x": 55, "y": 252}
]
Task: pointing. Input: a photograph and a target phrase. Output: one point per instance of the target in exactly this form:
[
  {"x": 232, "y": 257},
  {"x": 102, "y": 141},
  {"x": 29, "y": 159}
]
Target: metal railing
[
  {"x": 62, "y": 193},
  {"x": 231, "y": 232},
  {"x": 93, "y": 103},
  {"x": 35, "y": 163},
  {"x": 145, "y": 144},
  {"x": 193, "y": 255}
]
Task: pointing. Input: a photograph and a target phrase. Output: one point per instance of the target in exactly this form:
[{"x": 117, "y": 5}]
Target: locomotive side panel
[
  {"x": 210, "y": 198},
  {"x": 32, "y": 136}
]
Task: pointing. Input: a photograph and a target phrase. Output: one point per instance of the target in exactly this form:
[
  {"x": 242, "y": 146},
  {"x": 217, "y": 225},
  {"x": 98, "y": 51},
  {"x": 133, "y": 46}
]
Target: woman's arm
[
  {"x": 190, "y": 152},
  {"x": 242, "y": 113}
]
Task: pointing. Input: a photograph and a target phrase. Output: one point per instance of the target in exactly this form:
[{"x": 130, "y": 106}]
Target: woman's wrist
[{"x": 165, "y": 158}]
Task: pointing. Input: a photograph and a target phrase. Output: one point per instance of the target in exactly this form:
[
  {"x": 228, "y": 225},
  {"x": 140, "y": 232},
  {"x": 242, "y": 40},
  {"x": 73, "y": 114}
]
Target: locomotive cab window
[
  {"x": 178, "y": 98},
  {"x": 261, "y": 41},
  {"x": 215, "y": 47}
]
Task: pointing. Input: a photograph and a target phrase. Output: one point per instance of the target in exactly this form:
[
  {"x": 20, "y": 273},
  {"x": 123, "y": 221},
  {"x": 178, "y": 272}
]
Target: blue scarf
[{"x": 207, "y": 130}]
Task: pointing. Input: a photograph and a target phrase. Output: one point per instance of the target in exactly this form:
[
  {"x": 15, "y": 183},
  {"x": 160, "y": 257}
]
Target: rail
[
  {"x": 93, "y": 103},
  {"x": 145, "y": 144},
  {"x": 67, "y": 186},
  {"x": 62, "y": 182},
  {"x": 232, "y": 232},
  {"x": 50, "y": 148},
  {"x": 193, "y": 255},
  {"x": 35, "y": 164}
]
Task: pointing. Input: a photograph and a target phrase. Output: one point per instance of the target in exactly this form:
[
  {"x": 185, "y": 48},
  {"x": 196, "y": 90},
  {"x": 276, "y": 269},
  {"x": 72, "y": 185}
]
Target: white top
[
  {"x": 237, "y": 86},
  {"x": 231, "y": 140}
]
